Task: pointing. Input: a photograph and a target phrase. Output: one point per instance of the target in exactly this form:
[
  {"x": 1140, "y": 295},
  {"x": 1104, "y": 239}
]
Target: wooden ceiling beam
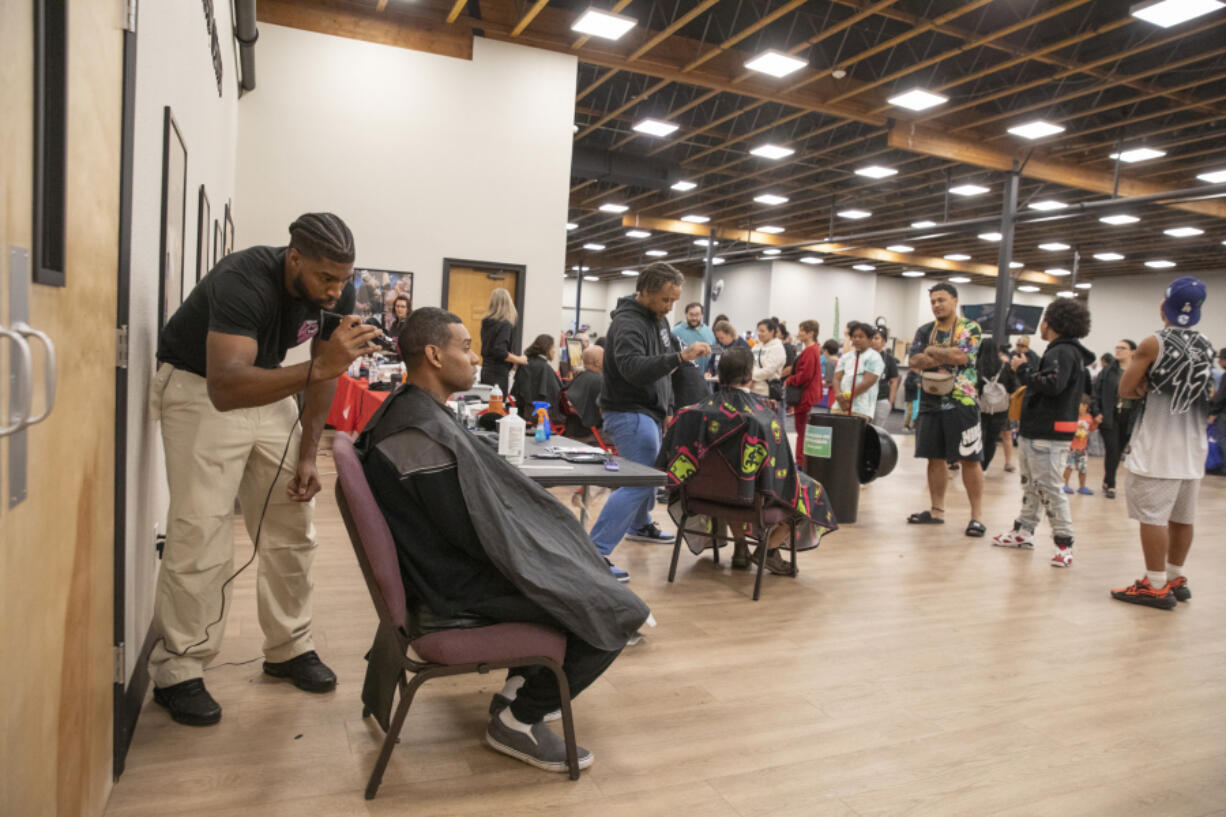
[
  {"x": 340, "y": 20},
  {"x": 455, "y": 10},
  {"x": 932, "y": 143},
  {"x": 527, "y": 19}
]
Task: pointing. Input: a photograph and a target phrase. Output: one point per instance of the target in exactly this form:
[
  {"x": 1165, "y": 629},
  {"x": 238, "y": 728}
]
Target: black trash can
[{"x": 834, "y": 446}]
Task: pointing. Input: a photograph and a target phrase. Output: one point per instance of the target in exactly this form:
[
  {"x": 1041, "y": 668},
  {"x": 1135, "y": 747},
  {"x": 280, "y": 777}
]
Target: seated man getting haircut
[
  {"x": 479, "y": 543},
  {"x": 584, "y": 394}
]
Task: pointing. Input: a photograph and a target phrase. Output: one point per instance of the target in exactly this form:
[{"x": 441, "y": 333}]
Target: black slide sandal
[
  {"x": 924, "y": 518},
  {"x": 976, "y": 529}
]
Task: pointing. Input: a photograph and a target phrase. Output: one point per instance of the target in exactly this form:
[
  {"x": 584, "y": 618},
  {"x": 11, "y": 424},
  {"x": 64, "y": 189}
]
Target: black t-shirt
[
  {"x": 891, "y": 372},
  {"x": 243, "y": 295}
]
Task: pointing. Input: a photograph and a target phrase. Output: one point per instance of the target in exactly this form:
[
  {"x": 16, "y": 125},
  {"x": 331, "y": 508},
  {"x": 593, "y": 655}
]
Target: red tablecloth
[{"x": 354, "y": 404}]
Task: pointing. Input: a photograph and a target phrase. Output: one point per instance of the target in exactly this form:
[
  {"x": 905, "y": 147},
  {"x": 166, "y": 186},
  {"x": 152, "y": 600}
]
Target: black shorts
[
  {"x": 910, "y": 391},
  {"x": 952, "y": 435}
]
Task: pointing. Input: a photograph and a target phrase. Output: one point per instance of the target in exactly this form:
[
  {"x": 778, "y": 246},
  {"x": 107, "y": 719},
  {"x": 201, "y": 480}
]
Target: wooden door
[
  {"x": 56, "y": 545},
  {"x": 468, "y": 295}
]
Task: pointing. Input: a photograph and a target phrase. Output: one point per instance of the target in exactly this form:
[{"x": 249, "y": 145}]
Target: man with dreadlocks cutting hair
[{"x": 230, "y": 430}]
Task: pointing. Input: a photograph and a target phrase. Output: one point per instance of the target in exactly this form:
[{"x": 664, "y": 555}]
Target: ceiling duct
[{"x": 621, "y": 168}]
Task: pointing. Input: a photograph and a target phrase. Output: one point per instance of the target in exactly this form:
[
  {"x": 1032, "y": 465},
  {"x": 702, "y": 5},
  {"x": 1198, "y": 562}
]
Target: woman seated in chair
[
  {"x": 743, "y": 429},
  {"x": 538, "y": 383}
]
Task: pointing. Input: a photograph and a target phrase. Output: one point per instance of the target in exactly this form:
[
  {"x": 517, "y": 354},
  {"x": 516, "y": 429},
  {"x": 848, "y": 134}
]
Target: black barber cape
[
  {"x": 744, "y": 430},
  {"x": 530, "y": 537}
]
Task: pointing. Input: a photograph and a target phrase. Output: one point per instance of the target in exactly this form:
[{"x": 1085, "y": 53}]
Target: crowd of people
[{"x": 479, "y": 542}]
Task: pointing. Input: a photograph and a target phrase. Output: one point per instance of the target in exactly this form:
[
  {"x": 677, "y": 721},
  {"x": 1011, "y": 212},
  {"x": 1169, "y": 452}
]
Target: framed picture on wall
[
  {"x": 377, "y": 291},
  {"x": 227, "y": 232},
  {"x": 174, "y": 217},
  {"x": 203, "y": 219},
  {"x": 216, "y": 244}
]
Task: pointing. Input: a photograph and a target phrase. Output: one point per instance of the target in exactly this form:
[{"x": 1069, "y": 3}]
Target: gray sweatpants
[{"x": 1042, "y": 467}]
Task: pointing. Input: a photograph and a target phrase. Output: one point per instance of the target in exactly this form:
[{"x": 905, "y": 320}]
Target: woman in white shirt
[{"x": 769, "y": 358}]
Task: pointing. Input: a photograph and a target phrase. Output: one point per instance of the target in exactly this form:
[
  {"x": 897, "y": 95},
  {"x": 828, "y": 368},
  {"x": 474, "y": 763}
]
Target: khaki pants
[{"x": 213, "y": 457}]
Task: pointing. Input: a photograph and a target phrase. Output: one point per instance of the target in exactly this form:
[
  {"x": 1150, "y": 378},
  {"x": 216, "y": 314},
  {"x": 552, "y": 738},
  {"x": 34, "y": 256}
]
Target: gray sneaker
[
  {"x": 501, "y": 702},
  {"x": 543, "y": 749}
]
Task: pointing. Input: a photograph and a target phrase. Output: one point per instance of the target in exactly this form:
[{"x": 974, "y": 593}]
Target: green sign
[{"x": 817, "y": 441}]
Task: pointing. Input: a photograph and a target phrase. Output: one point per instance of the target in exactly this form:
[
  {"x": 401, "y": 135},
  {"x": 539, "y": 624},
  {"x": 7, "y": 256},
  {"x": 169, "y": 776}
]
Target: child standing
[
  {"x": 1077, "y": 448},
  {"x": 1049, "y": 422}
]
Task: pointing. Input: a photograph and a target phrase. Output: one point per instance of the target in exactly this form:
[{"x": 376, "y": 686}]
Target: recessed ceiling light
[
  {"x": 854, "y": 214},
  {"x": 900, "y": 248},
  {"x": 912, "y": 273},
  {"x": 684, "y": 186},
  {"x": 957, "y": 256},
  {"x": 917, "y": 99},
  {"x": 1027, "y": 288},
  {"x": 630, "y": 273},
  {"x": 603, "y": 24},
  {"x": 1082, "y": 285},
  {"x": 1213, "y": 176},
  {"x": 876, "y": 171},
  {"x": 580, "y": 269},
  {"x": 1066, "y": 293},
  {"x": 717, "y": 260},
  {"x": 771, "y": 251},
  {"x": 769, "y": 151},
  {"x": 657, "y": 253},
  {"x": 574, "y": 128},
  {"x": 1036, "y": 129},
  {"x": 1118, "y": 219},
  {"x": 637, "y": 234},
  {"x": 770, "y": 229},
  {"x": 990, "y": 236},
  {"x": 959, "y": 279},
  {"x": 1108, "y": 256},
  {"x": 1047, "y": 204},
  {"x": 655, "y": 127},
  {"x": 613, "y": 208},
  {"x": 1016, "y": 265},
  {"x": 1167, "y": 13},
  {"x": 775, "y": 63},
  {"x": 1054, "y": 246},
  {"x": 591, "y": 278},
  {"x": 593, "y": 247},
  {"x": 863, "y": 267},
  {"x": 702, "y": 242},
  {"x": 923, "y": 225},
  {"x": 1161, "y": 264},
  {"x": 1138, "y": 155},
  {"x": 968, "y": 190},
  {"x": 810, "y": 259},
  {"x": 1058, "y": 272},
  {"x": 771, "y": 199},
  {"x": 696, "y": 219},
  {"x": 570, "y": 225},
  {"x": 1184, "y": 232}
]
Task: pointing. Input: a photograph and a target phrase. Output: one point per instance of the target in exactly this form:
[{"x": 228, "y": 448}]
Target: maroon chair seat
[
  {"x": 499, "y": 643},
  {"x": 714, "y": 491},
  {"x": 446, "y": 652}
]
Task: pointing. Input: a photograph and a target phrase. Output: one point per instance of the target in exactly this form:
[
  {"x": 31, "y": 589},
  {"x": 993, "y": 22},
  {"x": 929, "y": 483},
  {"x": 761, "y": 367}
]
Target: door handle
[
  {"x": 50, "y": 373},
  {"x": 22, "y": 396}
]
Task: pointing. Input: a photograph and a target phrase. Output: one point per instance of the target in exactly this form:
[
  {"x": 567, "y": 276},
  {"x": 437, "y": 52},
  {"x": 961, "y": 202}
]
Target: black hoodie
[
  {"x": 1054, "y": 390},
  {"x": 638, "y": 361}
]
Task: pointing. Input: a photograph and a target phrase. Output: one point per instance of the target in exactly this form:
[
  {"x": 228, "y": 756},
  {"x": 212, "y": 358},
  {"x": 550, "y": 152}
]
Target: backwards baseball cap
[{"x": 1183, "y": 301}]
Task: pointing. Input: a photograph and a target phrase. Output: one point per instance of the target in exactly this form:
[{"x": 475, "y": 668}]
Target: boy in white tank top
[{"x": 1172, "y": 371}]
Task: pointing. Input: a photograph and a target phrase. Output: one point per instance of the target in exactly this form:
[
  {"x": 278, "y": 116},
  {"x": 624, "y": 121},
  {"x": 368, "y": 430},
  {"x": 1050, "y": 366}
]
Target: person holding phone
[{"x": 230, "y": 429}]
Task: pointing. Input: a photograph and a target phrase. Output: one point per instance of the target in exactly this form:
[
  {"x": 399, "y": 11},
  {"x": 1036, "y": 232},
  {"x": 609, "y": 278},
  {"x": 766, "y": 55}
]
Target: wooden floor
[{"x": 906, "y": 671}]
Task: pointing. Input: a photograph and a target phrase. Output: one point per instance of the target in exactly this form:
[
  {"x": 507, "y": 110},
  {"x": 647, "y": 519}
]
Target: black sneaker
[
  {"x": 306, "y": 672},
  {"x": 651, "y": 533},
  {"x": 1179, "y": 588},
  {"x": 542, "y": 749},
  {"x": 189, "y": 703},
  {"x": 618, "y": 573}
]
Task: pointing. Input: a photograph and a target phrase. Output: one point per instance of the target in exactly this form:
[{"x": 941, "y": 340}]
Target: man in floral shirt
[{"x": 947, "y": 429}]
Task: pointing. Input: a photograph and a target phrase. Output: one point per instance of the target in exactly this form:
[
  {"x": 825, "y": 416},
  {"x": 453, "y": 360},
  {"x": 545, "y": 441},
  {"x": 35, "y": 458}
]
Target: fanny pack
[{"x": 939, "y": 383}]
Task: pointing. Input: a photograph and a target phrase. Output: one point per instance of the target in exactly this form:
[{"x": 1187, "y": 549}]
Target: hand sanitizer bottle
[{"x": 511, "y": 430}]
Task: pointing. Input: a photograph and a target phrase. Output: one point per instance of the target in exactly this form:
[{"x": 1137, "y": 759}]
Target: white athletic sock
[
  {"x": 511, "y": 688},
  {"x": 1174, "y": 571},
  {"x": 511, "y": 722},
  {"x": 1157, "y": 578}
]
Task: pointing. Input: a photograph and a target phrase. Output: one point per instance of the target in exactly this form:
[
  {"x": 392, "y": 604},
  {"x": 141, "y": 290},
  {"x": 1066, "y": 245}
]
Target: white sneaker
[
  {"x": 1063, "y": 557},
  {"x": 1014, "y": 539}
]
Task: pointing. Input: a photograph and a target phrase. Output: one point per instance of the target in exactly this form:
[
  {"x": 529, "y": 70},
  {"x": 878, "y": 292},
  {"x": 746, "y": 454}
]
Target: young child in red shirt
[{"x": 1077, "y": 448}]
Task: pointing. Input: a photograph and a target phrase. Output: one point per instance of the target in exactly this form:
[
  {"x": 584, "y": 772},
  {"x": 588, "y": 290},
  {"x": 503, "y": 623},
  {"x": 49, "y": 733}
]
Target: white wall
[
  {"x": 425, "y": 157},
  {"x": 600, "y": 297},
  {"x": 745, "y": 298},
  {"x": 174, "y": 67},
  {"x": 1127, "y": 307}
]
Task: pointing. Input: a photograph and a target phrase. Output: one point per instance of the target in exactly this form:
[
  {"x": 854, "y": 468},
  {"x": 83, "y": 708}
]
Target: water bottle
[{"x": 511, "y": 430}]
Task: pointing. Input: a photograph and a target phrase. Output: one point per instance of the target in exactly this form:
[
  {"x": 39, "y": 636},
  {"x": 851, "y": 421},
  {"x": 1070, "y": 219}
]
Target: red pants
[{"x": 801, "y": 416}]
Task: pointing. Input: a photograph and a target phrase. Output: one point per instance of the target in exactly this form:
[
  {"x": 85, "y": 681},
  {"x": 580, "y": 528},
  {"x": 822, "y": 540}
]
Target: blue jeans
[{"x": 637, "y": 437}]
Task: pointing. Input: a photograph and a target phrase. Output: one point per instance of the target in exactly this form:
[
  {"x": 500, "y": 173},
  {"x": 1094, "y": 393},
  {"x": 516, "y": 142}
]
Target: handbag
[
  {"x": 1015, "y": 403},
  {"x": 792, "y": 394},
  {"x": 939, "y": 383}
]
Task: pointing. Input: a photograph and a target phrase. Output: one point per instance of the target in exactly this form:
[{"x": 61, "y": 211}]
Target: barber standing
[{"x": 230, "y": 429}]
